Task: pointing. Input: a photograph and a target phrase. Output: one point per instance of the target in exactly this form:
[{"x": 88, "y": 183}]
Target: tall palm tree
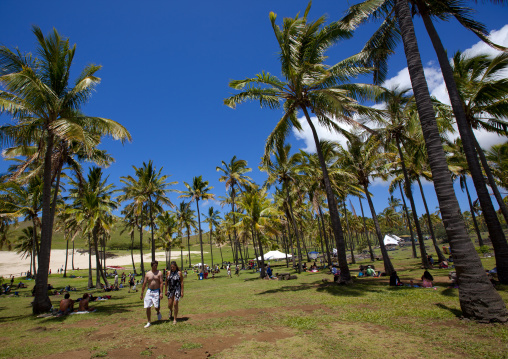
[
  {"x": 92, "y": 206},
  {"x": 150, "y": 188},
  {"x": 483, "y": 94},
  {"x": 458, "y": 167},
  {"x": 167, "y": 224},
  {"x": 186, "y": 219},
  {"x": 283, "y": 169},
  {"x": 309, "y": 86},
  {"x": 46, "y": 109},
  {"x": 260, "y": 216},
  {"x": 198, "y": 191},
  {"x": 474, "y": 286},
  {"x": 364, "y": 160},
  {"x": 212, "y": 219},
  {"x": 378, "y": 49},
  {"x": 235, "y": 178}
]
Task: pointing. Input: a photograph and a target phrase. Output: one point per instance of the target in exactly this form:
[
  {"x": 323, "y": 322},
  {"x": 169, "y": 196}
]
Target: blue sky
[{"x": 166, "y": 68}]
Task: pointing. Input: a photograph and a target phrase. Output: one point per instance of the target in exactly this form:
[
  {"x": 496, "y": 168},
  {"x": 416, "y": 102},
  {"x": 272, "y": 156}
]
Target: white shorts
[{"x": 152, "y": 297}]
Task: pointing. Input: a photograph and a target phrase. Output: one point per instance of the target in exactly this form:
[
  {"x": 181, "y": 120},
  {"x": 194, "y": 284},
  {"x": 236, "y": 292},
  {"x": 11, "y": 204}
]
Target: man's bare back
[{"x": 66, "y": 305}]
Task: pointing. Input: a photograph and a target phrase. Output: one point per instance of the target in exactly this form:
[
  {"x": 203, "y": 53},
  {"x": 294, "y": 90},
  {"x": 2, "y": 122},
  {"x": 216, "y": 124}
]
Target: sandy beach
[{"x": 12, "y": 263}]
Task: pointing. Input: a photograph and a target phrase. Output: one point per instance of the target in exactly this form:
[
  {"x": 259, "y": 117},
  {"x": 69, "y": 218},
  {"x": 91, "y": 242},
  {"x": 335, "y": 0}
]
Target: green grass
[{"x": 247, "y": 317}]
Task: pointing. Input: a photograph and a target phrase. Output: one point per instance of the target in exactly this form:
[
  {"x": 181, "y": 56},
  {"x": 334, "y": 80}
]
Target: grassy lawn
[{"x": 244, "y": 317}]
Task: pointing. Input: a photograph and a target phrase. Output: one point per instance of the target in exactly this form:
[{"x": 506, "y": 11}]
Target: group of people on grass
[{"x": 67, "y": 304}]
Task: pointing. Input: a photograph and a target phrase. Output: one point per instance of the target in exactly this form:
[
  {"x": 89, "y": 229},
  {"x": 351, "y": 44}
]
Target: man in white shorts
[{"x": 154, "y": 293}]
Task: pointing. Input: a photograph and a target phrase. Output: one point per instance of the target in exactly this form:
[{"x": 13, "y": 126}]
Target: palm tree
[
  {"x": 363, "y": 160},
  {"x": 376, "y": 51},
  {"x": 212, "y": 219},
  {"x": 474, "y": 286},
  {"x": 167, "y": 224},
  {"x": 38, "y": 96},
  {"x": 92, "y": 206},
  {"x": 309, "y": 85},
  {"x": 458, "y": 167},
  {"x": 234, "y": 176},
  {"x": 284, "y": 171},
  {"x": 498, "y": 161},
  {"x": 260, "y": 216},
  {"x": 198, "y": 190},
  {"x": 149, "y": 188},
  {"x": 186, "y": 219},
  {"x": 24, "y": 244},
  {"x": 24, "y": 201},
  {"x": 483, "y": 94}
]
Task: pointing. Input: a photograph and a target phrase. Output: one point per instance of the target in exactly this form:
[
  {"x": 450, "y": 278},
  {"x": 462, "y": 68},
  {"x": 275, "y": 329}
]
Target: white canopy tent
[
  {"x": 391, "y": 239},
  {"x": 199, "y": 265},
  {"x": 272, "y": 255}
]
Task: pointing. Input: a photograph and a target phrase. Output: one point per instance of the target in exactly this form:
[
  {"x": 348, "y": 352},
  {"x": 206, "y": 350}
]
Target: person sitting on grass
[
  {"x": 427, "y": 279},
  {"x": 66, "y": 305},
  {"x": 83, "y": 304},
  {"x": 443, "y": 264},
  {"x": 370, "y": 272},
  {"x": 269, "y": 272},
  {"x": 395, "y": 280}
]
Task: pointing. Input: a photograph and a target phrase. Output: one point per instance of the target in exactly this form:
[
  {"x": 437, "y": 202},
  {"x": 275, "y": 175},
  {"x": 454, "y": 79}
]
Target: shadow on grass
[
  {"x": 354, "y": 290},
  {"x": 450, "y": 292},
  {"x": 14, "y": 318},
  {"x": 454, "y": 311}
]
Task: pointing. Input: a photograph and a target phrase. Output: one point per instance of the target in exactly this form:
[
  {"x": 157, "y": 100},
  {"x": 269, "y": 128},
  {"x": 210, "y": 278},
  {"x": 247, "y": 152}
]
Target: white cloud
[
  {"x": 322, "y": 132},
  {"x": 499, "y": 37},
  {"x": 437, "y": 88}
]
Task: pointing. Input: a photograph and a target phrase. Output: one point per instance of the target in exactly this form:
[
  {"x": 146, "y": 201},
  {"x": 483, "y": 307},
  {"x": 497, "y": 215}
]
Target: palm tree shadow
[
  {"x": 456, "y": 312},
  {"x": 450, "y": 292}
]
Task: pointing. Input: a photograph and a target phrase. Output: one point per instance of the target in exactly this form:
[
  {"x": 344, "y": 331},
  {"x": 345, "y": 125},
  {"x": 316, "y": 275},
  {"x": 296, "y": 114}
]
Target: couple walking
[{"x": 155, "y": 282}]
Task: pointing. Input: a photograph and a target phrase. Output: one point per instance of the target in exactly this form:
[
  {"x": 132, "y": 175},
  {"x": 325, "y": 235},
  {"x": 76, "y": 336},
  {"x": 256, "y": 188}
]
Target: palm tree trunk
[
  {"x": 478, "y": 299},
  {"x": 34, "y": 246},
  {"x": 188, "y": 245},
  {"x": 132, "y": 252},
  {"x": 295, "y": 228},
  {"x": 97, "y": 260},
  {"x": 468, "y": 143},
  {"x": 141, "y": 250},
  {"x": 42, "y": 303},
  {"x": 237, "y": 243},
  {"x": 66, "y": 255},
  {"x": 211, "y": 249},
  {"x": 221, "y": 257},
  {"x": 328, "y": 255},
  {"x": 353, "y": 261},
  {"x": 372, "y": 259},
  {"x": 413, "y": 245},
  {"x": 475, "y": 223},
  {"x": 261, "y": 254},
  {"x": 90, "y": 279},
  {"x": 151, "y": 227},
  {"x": 181, "y": 256},
  {"x": 409, "y": 193},
  {"x": 290, "y": 243},
  {"x": 386, "y": 260},
  {"x": 200, "y": 236},
  {"x": 345, "y": 275},
  {"x": 72, "y": 254},
  {"x": 440, "y": 255}
]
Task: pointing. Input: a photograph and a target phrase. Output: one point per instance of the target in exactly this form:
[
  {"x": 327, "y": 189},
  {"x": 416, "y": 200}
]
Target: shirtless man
[
  {"x": 66, "y": 305},
  {"x": 154, "y": 293},
  {"x": 83, "y": 304}
]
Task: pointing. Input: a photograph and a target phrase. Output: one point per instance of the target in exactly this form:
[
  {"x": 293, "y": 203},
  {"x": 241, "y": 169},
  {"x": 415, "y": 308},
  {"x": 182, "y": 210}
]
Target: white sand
[{"x": 12, "y": 263}]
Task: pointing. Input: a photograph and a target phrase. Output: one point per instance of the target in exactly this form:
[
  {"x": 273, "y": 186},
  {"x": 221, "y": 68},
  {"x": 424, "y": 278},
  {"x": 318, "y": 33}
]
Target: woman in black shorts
[{"x": 174, "y": 291}]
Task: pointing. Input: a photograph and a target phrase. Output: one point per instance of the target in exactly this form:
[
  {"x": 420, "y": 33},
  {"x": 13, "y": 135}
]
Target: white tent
[
  {"x": 274, "y": 255},
  {"x": 199, "y": 265},
  {"x": 391, "y": 239}
]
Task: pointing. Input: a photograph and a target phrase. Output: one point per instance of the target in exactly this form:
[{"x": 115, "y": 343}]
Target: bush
[{"x": 483, "y": 249}]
